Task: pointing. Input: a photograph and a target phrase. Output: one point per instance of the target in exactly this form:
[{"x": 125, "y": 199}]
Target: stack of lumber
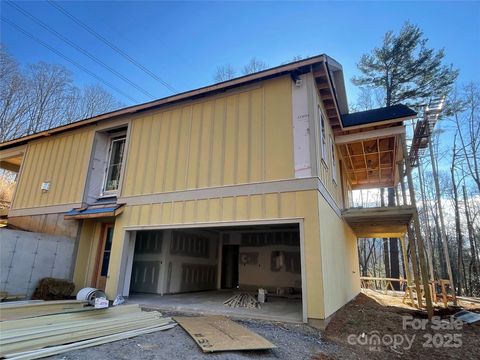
[
  {"x": 25, "y": 309},
  {"x": 242, "y": 300},
  {"x": 40, "y": 336}
]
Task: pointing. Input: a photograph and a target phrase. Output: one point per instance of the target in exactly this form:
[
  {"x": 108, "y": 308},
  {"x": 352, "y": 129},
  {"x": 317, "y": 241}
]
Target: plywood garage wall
[
  {"x": 63, "y": 161},
  {"x": 168, "y": 262},
  {"x": 260, "y": 273},
  {"x": 238, "y": 137}
]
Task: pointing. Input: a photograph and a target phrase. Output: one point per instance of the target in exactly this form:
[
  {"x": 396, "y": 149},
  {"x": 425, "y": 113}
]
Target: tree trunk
[
  {"x": 474, "y": 284},
  {"x": 458, "y": 229},
  {"x": 442, "y": 222},
  {"x": 428, "y": 231},
  {"x": 394, "y": 262},
  {"x": 386, "y": 258}
]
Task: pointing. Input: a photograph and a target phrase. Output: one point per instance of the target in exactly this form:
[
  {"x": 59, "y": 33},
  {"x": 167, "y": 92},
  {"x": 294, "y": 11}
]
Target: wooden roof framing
[
  {"x": 326, "y": 92},
  {"x": 370, "y": 162}
]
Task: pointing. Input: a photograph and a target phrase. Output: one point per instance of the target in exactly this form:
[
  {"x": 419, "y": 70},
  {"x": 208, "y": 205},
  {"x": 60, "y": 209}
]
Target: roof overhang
[
  {"x": 95, "y": 212},
  {"x": 12, "y": 158}
]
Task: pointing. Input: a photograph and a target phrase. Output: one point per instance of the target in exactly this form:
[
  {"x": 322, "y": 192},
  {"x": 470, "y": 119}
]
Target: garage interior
[{"x": 198, "y": 269}]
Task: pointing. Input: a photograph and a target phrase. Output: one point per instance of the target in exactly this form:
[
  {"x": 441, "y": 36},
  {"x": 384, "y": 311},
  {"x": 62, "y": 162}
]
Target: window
[
  {"x": 114, "y": 165},
  {"x": 323, "y": 137},
  {"x": 334, "y": 160}
]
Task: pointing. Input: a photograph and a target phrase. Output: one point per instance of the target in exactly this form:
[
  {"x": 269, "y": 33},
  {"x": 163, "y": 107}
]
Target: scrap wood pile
[
  {"x": 243, "y": 299},
  {"x": 36, "y": 334}
]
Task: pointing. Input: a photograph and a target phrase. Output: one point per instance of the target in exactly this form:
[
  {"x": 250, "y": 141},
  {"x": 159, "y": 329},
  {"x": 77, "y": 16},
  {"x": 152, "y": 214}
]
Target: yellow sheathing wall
[
  {"x": 255, "y": 207},
  {"x": 63, "y": 161},
  {"x": 87, "y": 254},
  {"x": 341, "y": 281},
  {"x": 240, "y": 137}
]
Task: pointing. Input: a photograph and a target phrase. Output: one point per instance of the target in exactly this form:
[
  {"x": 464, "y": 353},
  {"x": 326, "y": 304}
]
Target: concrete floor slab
[{"x": 211, "y": 303}]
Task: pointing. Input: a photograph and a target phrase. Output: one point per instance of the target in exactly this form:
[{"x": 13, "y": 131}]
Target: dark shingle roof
[{"x": 376, "y": 115}]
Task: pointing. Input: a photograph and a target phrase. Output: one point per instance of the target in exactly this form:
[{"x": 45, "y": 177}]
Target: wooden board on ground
[
  {"x": 217, "y": 333},
  {"x": 22, "y": 310}
]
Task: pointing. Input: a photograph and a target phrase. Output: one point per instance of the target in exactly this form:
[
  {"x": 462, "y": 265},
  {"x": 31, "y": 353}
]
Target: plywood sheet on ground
[{"x": 217, "y": 333}]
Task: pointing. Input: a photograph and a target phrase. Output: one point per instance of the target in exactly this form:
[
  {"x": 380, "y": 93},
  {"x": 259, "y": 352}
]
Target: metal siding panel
[
  {"x": 183, "y": 148},
  {"x": 278, "y": 136},
  {"x": 173, "y": 149},
  {"x": 206, "y": 145},
  {"x": 256, "y": 136},
  {"x": 191, "y": 179},
  {"x": 62, "y": 160},
  {"x": 241, "y": 208},
  {"x": 216, "y": 168},
  {"x": 151, "y": 139},
  {"x": 229, "y": 149},
  {"x": 242, "y": 139},
  {"x": 57, "y": 172},
  {"x": 142, "y": 157}
]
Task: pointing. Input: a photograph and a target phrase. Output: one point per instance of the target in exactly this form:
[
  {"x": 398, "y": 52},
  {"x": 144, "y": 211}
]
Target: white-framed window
[
  {"x": 334, "y": 159},
  {"x": 323, "y": 136},
  {"x": 113, "y": 169}
]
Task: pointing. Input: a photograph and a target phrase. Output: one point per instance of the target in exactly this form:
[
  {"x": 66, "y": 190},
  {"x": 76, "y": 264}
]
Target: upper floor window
[
  {"x": 323, "y": 137},
  {"x": 334, "y": 160},
  {"x": 114, "y": 164}
]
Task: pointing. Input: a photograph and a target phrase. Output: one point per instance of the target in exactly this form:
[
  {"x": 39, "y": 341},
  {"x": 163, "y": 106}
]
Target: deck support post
[
  {"x": 411, "y": 242},
  {"x": 418, "y": 234}
]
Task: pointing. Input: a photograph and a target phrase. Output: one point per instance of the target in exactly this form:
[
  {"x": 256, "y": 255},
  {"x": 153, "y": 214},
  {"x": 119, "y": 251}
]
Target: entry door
[
  {"x": 105, "y": 247},
  {"x": 230, "y": 255}
]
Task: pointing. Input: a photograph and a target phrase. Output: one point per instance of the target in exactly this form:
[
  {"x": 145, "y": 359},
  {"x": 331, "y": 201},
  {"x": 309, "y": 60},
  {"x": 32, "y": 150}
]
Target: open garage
[{"x": 198, "y": 269}]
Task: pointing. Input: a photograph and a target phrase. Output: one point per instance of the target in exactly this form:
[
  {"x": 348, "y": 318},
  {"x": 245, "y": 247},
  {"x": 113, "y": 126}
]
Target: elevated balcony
[
  {"x": 371, "y": 145},
  {"x": 379, "y": 222}
]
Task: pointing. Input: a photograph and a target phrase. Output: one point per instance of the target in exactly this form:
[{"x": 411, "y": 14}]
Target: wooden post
[
  {"x": 412, "y": 243},
  {"x": 406, "y": 267},
  {"x": 418, "y": 233},
  {"x": 442, "y": 221}
]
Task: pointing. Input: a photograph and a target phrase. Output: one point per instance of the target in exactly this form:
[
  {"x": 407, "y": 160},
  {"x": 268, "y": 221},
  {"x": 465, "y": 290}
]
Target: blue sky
[{"x": 183, "y": 42}]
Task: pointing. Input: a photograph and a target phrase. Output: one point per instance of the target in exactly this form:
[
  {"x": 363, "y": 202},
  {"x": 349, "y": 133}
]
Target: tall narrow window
[
  {"x": 334, "y": 160},
  {"x": 114, "y": 165},
  {"x": 323, "y": 136}
]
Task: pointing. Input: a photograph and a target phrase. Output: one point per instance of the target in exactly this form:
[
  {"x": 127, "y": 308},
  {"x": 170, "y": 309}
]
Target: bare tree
[
  {"x": 48, "y": 89},
  {"x": 13, "y": 97},
  {"x": 253, "y": 66},
  {"x": 468, "y": 126},
  {"x": 224, "y": 73},
  {"x": 90, "y": 101},
  {"x": 44, "y": 96}
]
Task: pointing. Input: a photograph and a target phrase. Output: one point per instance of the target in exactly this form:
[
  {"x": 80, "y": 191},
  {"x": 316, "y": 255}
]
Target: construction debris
[
  {"x": 41, "y": 336},
  {"x": 242, "y": 300},
  {"x": 217, "y": 333},
  {"x": 467, "y": 317},
  {"x": 53, "y": 289}
]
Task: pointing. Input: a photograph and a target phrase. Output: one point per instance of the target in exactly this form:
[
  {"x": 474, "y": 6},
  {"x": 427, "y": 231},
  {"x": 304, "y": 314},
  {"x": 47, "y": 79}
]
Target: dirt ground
[
  {"x": 369, "y": 314},
  {"x": 398, "y": 325}
]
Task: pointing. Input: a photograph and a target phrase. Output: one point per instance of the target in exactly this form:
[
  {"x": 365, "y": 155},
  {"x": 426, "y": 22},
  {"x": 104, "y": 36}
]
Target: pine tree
[{"x": 407, "y": 72}]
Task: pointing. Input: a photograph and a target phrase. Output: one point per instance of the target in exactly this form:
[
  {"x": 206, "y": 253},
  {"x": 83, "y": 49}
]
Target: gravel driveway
[{"x": 293, "y": 341}]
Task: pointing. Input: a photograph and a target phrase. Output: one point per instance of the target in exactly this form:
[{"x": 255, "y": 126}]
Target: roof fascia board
[
  {"x": 369, "y": 135},
  {"x": 384, "y": 122}
]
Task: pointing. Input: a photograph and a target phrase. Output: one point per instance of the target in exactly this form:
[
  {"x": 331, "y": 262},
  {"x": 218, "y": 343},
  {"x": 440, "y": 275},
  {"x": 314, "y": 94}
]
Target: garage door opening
[{"x": 198, "y": 269}]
